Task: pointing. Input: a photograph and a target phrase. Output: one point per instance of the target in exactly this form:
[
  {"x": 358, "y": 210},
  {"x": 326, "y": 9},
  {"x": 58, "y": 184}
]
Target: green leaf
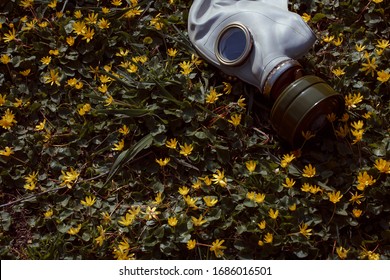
[{"x": 128, "y": 155}]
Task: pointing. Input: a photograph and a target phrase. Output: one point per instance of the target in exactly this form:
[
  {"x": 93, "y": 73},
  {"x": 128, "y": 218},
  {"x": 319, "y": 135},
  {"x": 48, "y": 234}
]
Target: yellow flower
[
  {"x": 219, "y": 178},
  {"x": 78, "y": 14},
  {"x": 102, "y": 236},
  {"x": 207, "y": 181},
  {"x": 186, "y": 67},
  {"x": 70, "y": 40},
  {"x": 357, "y": 125},
  {"x": 328, "y": 39},
  {"x": 184, "y": 190},
  {"x": 79, "y": 27},
  {"x": 306, "y": 187},
  {"x": 116, "y": 2},
  {"x": 48, "y": 214},
  {"x": 106, "y": 217},
  {"x": 136, "y": 11},
  {"x": 286, "y": 160},
  {"x": 172, "y": 52},
  {"x": 5, "y": 59},
  {"x": 54, "y": 52},
  {"x": 109, "y": 100},
  {"x": 103, "y": 88},
  {"x": 251, "y": 195},
  {"x": 217, "y": 248},
  {"x": 262, "y": 224},
  {"x": 250, "y": 165},
  {"x": 151, "y": 213},
  {"x": 377, "y": 1},
  {"x": 334, "y": 196},
  {"x": 338, "y": 72},
  {"x": 84, "y": 109},
  {"x": 289, "y": 183},
  {"x": 352, "y": 99},
  {"x": 293, "y": 207},
  {"x": 163, "y": 162},
  {"x": 124, "y": 130},
  {"x": 268, "y": 238},
  {"x": 6, "y": 152},
  {"x": 357, "y": 212},
  {"x": 158, "y": 199},
  {"x": 43, "y": 24},
  {"x": 191, "y": 244},
  {"x": 74, "y": 230},
  {"x": 309, "y": 171},
  {"x": 25, "y": 73},
  {"x": 370, "y": 255},
  {"x": 186, "y": 149},
  {"x": 89, "y": 201},
  {"x": 210, "y": 202},
  {"x": 191, "y": 202},
  {"x": 259, "y": 198},
  {"x": 132, "y": 68},
  {"x": 273, "y": 214},
  {"x": 68, "y": 178},
  {"x": 260, "y": 243},
  {"x": 360, "y": 47},
  {"x": 127, "y": 220},
  {"x": 103, "y": 24},
  {"x": 356, "y": 198},
  {"x": 10, "y": 36},
  {"x": 227, "y": 89},
  {"x": 3, "y": 99},
  {"x": 370, "y": 66},
  {"x": 198, "y": 221},
  {"x": 197, "y": 184},
  {"x": 342, "y": 252},
  {"x": 8, "y": 119},
  {"x": 212, "y": 97},
  {"x": 88, "y": 34},
  {"x": 382, "y": 165},
  {"x": 171, "y": 143},
  {"x": 364, "y": 180},
  {"x": 105, "y": 10},
  {"x": 315, "y": 189},
  {"x": 52, "y": 78},
  {"x": 358, "y": 134},
  {"x": 382, "y": 44},
  {"x": 241, "y": 103},
  {"x": 235, "y": 119},
  {"x": 91, "y": 18},
  {"x": 52, "y": 4},
  {"x": 30, "y": 186},
  {"x": 307, "y": 135},
  {"x": 172, "y": 221},
  {"x": 156, "y": 22},
  {"x": 119, "y": 146},
  {"x": 303, "y": 229},
  {"x": 135, "y": 210},
  {"x": 383, "y": 76},
  {"x": 306, "y": 17},
  {"x": 338, "y": 41},
  {"x": 26, "y": 3}
]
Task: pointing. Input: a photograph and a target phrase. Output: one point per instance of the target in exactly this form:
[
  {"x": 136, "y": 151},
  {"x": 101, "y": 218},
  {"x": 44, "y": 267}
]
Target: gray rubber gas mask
[{"x": 259, "y": 41}]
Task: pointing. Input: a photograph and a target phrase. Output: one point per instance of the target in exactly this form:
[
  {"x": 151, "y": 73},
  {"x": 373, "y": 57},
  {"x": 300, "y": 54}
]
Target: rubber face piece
[{"x": 302, "y": 107}]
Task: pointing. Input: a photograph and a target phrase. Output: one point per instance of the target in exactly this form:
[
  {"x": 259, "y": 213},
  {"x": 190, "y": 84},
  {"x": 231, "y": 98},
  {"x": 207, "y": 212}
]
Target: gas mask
[{"x": 259, "y": 41}]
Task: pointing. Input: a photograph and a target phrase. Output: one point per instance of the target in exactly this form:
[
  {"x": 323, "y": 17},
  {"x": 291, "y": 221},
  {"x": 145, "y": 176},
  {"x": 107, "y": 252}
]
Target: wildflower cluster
[{"x": 118, "y": 141}]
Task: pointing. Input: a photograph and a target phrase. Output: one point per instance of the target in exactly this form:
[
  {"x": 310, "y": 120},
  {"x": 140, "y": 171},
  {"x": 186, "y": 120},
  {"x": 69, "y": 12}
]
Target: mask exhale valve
[{"x": 260, "y": 42}]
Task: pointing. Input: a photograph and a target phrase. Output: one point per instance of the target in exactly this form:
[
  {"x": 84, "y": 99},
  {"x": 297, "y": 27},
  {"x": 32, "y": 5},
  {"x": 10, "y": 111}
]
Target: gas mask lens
[{"x": 233, "y": 44}]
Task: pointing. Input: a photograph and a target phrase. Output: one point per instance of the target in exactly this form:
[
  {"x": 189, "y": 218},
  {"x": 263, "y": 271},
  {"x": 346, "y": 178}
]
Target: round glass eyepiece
[{"x": 233, "y": 44}]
